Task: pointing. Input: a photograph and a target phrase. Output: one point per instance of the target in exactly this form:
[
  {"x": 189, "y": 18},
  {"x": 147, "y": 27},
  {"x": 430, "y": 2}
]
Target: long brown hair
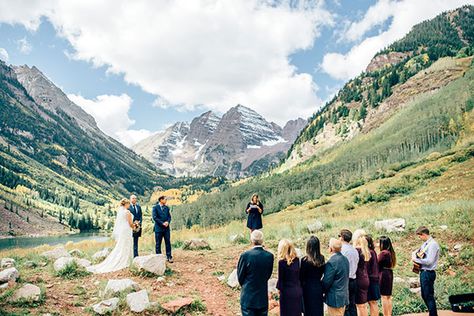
[
  {"x": 313, "y": 252},
  {"x": 386, "y": 244}
]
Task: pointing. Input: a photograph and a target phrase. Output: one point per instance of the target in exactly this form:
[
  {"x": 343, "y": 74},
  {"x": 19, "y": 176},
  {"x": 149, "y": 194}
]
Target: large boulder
[
  {"x": 391, "y": 225},
  {"x": 315, "y": 227},
  {"x": 232, "y": 280},
  {"x": 121, "y": 285},
  {"x": 7, "y": 263},
  {"x": 138, "y": 301},
  {"x": 56, "y": 253},
  {"x": 99, "y": 255},
  {"x": 155, "y": 264},
  {"x": 176, "y": 305},
  {"x": 106, "y": 307},
  {"x": 28, "y": 293},
  {"x": 10, "y": 274},
  {"x": 63, "y": 262},
  {"x": 196, "y": 244}
]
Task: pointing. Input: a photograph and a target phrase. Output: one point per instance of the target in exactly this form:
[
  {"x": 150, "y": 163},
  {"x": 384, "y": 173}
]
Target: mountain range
[{"x": 238, "y": 144}]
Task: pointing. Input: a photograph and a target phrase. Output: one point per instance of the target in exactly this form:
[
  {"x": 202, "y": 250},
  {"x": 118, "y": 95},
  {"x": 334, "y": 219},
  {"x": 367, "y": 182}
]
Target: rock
[
  {"x": 416, "y": 290},
  {"x": 232, "y": 280},
  {"x": 398, "y": 280},
  {"x": 4, "y": 286},
  {"x": 221, "y": 278},
  {"x": 7, "y": 263},
  {"x": 106, "y": 307},
  {"x": 138, "y": 301},
  {"x": 177, "y": 304},
  {"x": 443, "y": 227},
  {"x": 315, "y": 227},
  {"x": 160, "y": 279},
  {"x": 121, "y": 285},
  {"x": 237, "y": 239},
  {"x": 56, "y": 253},
  {"x": 414, "y": 283},
  {"x": 155, "y": 264},
  {"x": 391, "y": 225},
  {"x": 28, "y": 292},
  {"x": 30, "y": 264},
  {"x": 63, "y": 262},
  {"x": 99, "y": 255},
  {"x": 272, "y": 285},
  {"x": 10, "y": 274},
  {"x": 196, "y": 244},
  {"x": 76, "y": 253},
  {"x": 200, "y": 271},
  {"x": 457, "y": 247}
]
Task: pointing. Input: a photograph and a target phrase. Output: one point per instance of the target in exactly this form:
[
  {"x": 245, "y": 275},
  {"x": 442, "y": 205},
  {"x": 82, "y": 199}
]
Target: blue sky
[{"x": 139, "y": 68}]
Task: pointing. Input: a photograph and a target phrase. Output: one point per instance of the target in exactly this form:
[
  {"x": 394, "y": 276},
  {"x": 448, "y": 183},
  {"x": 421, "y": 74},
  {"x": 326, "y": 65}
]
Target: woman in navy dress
[
  {"x": 291, "y": 294},
  {"x": 311, "y": 273},
  {"x": 254, "y": 210},
  {"x": 362, "y": 276},
  {"x": 387, "y": 261},
  {"x": 373, "y": 295}
]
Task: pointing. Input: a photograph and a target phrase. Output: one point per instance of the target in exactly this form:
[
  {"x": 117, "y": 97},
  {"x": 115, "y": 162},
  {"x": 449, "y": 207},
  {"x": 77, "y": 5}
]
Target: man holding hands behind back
[{"x": 162, "y": 218}]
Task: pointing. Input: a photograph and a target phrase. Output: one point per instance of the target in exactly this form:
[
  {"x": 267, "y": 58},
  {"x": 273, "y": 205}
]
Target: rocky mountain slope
[{"x": 238, "y": 144}]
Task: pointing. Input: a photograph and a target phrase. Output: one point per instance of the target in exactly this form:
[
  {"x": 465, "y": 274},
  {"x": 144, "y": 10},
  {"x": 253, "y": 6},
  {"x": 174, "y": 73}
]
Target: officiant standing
[
  {"x": 162, "y": 218},
  {"x": 254, "y": 210},
  {"x": 136, "y": 211}
]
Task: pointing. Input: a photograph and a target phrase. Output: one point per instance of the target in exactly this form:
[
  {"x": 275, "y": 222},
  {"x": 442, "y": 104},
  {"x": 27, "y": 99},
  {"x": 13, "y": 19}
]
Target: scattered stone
[
  {"x": 443, "y": 227},
  {"x": 10, "y": 274},
  {"x": 237, "y": 239},
  {"x": 76, "y": 253},
  {"x": 457, "y": 247},
  {"x": 30, "y": 264},
  {"x": 177, "y": 304},
  {"x": 414, "y": 283},
  {"x": 121, "y": 285},
  {"x": 315, "y": 227},
  {"x": 63, "y": 262},
  {"x": 106, "y": 307},
  {"x": 416, "y": 290},
  {"x": 7, "y": 263},
  {"x": 4, "y": 286},
  {"x": 200, "y": 271},
  {"x": 232, "y": 280},
  {"x": 43, "y": 264},
  {"x": 28, "y": 292},
  {"x": 161, "y": 279},
  {"x": 155, "y": 264},
  {"x": 99, "y": 255},
  {"x": 272, "y": 285},
  {"x": 196, "y": 244},
  {"x": 391, "y": 225},
  {"x": 221, "y": 278},
  {"x": 138, "y": 301},
  {"x": 56, "y": 253}
]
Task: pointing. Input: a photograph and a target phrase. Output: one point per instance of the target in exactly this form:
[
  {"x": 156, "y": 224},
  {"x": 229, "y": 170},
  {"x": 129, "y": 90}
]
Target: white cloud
[
  {"x": 24, "y": 46},
  {"x": 4, "y": 54},
  {"x": 405, "y": 14},
  {"x": 111, "y": 115},
  {"x": 211, "y": 53}
]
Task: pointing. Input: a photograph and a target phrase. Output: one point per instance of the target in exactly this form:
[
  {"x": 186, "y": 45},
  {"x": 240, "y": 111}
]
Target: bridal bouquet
[{"x": 136, "y": 226}]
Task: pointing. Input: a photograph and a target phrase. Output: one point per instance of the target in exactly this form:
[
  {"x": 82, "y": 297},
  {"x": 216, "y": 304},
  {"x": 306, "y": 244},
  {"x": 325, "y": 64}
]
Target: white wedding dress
[{"x": 122, "y": 255}]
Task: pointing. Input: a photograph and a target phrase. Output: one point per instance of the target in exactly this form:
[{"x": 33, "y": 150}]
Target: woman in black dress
[
  {"x": 291, "y": 294},
  {"x": 254, "y": 210},
  {"x": 387, "y": 261},
  {"x": 311, "y": 273},
  {"x": 362, "y": 277},
  {"x": 373, "y": 295}
]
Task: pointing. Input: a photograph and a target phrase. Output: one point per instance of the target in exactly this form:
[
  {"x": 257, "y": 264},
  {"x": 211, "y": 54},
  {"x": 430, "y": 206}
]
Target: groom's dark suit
[
  {"x": 136, "y": 211},
  {"x": 161, "y": 214}
]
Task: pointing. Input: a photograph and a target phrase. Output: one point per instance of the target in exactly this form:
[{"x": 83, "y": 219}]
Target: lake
[{"x": 31, "y": 242}]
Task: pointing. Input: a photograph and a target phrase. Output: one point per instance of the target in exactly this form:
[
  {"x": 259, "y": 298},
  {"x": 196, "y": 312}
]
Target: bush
[{"x": 72, "y": 271}]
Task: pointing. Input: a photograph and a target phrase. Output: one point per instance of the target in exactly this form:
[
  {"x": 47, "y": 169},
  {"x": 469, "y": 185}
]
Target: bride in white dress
[{"x": 122, "y": 255}]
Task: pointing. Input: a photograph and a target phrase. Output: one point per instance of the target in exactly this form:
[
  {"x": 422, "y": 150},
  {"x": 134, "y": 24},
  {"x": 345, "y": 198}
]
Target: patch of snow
[
  {"x": 270, "y": 143},
  {"x": 254, "y": 147}
]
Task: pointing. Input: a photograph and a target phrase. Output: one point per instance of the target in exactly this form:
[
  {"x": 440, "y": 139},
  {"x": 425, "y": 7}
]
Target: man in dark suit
[
  {"x": 336, "y": 280},
  {"x": 253, "y": 271},
  {"x": 136, "y": 211},
  {"x": 162, "y": 218}
]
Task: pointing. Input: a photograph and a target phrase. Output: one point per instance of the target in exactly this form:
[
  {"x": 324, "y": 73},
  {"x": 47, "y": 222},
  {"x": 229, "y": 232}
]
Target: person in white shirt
[{"x": 353, "y": 256}]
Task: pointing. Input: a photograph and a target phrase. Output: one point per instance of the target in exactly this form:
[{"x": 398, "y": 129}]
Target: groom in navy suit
[
  {"x": 162, "y": 218},
  {"x": 136, "y": 211}
]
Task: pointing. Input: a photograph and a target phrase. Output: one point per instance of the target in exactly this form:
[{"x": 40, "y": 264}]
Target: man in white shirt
[
  {"x": 429, "y": 253},
  {"x": 353, "y": 256}
]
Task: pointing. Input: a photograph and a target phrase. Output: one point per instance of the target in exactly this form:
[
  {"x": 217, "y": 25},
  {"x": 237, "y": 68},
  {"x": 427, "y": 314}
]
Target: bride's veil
[{"x": 120, "y": 226}]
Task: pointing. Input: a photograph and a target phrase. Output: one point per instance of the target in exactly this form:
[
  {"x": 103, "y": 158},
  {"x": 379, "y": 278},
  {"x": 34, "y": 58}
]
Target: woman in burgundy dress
[
  {"x": 362, "y": 276},
  {"x": 311, "y": 273},
  {"x": 291, "y": 294},
  {"x": 387, "y": 261},
  {"x": 373, "y": 295}
]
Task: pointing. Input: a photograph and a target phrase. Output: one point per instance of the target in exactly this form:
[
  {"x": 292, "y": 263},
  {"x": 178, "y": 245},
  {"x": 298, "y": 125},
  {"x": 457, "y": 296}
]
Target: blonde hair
[
  {"x": 362, "y": 243},
  {"x": 124, "y": 202},
  {"x": 358, "y": 233},
  {"x": 286, "y": 251}
]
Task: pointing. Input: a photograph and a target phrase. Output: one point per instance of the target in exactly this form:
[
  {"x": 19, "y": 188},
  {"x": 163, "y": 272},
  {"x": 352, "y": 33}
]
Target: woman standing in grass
[
  {"x": 362, "y": 276},
  {"x": 291, "y": 294},
  {"x": 387, "y": 261},
  {"x": 254, "y": 210},
  {"x": 311, "y": 273},
  {"x": 373, "y": 295}
]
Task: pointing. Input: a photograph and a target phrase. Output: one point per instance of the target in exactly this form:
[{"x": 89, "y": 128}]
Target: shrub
[{"x": 72, "y": 271}]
